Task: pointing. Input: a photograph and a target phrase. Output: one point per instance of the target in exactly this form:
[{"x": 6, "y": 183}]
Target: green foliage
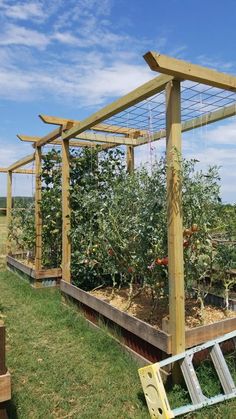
[
  {"x": 225, "y": 261},
  {"x": 51, "y": 209},
  {"x": 119, "y": 221},
  {"x": 21, "y": 229},
  {"x": 92, "y": 180}
]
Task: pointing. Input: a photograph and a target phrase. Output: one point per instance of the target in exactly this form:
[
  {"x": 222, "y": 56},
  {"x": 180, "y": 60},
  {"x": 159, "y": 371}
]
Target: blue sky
[{"x": 68, "y": 58}]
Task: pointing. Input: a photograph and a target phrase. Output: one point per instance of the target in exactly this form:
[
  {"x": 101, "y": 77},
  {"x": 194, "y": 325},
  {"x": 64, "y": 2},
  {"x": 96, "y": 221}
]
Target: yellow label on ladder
[{"x": 155, "y": 393}]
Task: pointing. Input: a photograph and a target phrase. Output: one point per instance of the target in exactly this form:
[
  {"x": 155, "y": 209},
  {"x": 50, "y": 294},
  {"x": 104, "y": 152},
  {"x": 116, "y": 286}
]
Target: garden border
[
  {"x": 38, "y": 279},
  {"x": 153, "y": 344}
]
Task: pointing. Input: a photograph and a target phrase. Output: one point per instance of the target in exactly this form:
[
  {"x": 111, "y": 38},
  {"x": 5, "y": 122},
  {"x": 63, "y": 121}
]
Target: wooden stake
[
  {"x": 174, "y": 214},
  {"x": 130, "y": 159},
  {"x": 38, "y": 211},
  {"x": 66, "y": 212},
  {"x": 9, "y": 210}
]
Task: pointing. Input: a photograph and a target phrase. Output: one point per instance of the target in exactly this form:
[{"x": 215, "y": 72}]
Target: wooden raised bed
[
  {"x": 5, "y": 378},
  {"x": 219, "y": 301},
  {"x": 38, "y": 279},
  {"x": 141, "y": 337}
]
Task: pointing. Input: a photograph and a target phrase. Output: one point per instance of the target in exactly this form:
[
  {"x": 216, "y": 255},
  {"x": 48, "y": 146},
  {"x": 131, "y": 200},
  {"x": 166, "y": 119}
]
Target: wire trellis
[{"x": 196, "y": 101}]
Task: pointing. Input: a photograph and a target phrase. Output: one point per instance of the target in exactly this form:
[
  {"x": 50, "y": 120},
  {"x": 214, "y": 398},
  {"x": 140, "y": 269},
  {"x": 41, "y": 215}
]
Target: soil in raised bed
[{"x": 141, "y": 308}]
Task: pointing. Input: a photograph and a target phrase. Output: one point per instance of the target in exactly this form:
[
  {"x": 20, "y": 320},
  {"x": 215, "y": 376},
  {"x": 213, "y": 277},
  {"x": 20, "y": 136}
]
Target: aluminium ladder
[{"x": 154, "y": 390}]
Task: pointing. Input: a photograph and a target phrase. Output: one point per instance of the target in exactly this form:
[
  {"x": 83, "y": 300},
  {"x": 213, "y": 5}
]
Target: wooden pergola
[{"x": 83, "y": 133}]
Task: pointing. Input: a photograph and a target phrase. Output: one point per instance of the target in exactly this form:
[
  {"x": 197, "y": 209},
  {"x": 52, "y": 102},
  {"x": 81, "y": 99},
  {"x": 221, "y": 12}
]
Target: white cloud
[
  {"x": 115, "y": 80},
  {"x": 222, "y": 134},
  {"x": 18, "y": 35},
  {"x": 65, "y": 38},
  {"x": 24, "y": 11},
  {"x": 21, "y": 184},
  {"x": 215, "y": 63},
  {"x": 90, "y": 81}
]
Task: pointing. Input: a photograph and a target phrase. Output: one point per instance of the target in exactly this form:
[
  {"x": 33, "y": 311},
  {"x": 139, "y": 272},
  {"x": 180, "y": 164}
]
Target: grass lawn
[
  {"x": 3, "y": 237},
  {"x": 61, "y": 368}
]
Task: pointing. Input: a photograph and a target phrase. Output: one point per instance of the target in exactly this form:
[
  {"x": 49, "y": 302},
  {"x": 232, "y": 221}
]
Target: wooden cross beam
[
  {"x": 19, "y": 171},
  {"x": 198, "y": 122},
  {"x": 143, "y": 92},
  {"x": 183, "y": 70},
  {"x": 92, "y": 141},
  {"x": 21, "y": 162},
  {"x": 115, "y": 129}
]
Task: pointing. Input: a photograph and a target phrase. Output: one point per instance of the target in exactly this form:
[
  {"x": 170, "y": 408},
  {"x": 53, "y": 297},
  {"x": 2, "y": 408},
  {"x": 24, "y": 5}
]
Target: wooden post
[
  {"x": 3, "y": 368},
  {"x": 66, "y": 212},
  {"x": 9, "y": 209},
  {"x": 130, "y": 158},
  {"x": 174, "y": 214},
  {"x": 38, "y": 212}
]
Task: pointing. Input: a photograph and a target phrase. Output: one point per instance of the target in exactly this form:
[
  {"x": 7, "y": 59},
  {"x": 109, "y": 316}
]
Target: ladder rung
[
  {"x": 222, "y": 369},
  {"x": 191, "y": 380}
]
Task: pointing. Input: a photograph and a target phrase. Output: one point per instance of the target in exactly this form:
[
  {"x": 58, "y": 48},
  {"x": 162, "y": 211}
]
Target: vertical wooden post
[
  {"x": 130, "y": 158},
  {"x": 66, "y": 212},
  {"x": 3, "y": 369},
  {"x": 38, "y": 211},
  {"x": 174, "y": 214},
  {"x": 9, "y": 210}
]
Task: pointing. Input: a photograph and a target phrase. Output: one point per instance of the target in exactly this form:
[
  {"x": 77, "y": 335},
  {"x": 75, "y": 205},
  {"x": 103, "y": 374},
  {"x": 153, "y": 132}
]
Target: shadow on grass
[{"x": 11, "y": 410}]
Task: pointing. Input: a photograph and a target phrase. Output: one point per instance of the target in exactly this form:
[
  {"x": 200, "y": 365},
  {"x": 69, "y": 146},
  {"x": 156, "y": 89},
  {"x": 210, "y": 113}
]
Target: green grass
[
  {"x": 3, "y": 237},
  {"x": 61, "y": 368},
  {"x": 211, "y": 387}
]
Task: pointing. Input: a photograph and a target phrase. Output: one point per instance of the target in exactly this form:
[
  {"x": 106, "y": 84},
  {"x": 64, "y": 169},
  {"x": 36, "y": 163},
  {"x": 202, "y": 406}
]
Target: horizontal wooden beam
[
  {"x": 53, "y": 135},
  {"x": 115, "y": 129},
  {"x": 19, "y": 171},
  {"x": 92, "y": 140},
  {"x": 185, "y": 70},
  {"x": 112, "y": 139},
  {"x": 143, "y": 92},
  {"x": 21, "y": 162},
  {"x": 197, "y": 122}
]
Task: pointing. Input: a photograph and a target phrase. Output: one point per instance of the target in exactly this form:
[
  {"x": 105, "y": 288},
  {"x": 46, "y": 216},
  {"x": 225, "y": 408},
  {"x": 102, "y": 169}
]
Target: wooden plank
[
  {"x": 115, "y": 129},
  {"x": 3, "y": 368},
  {"x": 73, "y": 143},
  {"x": 174, "y": 218},
  {"x": 18, "y": 171},
  {"x": 11, "y": 261},
  {"x": 21, "y": 162},
  {"x": 5, "y": 387},
  {"x": 91, "y": 139},
  {"x": 66, "y": 212},
  {"x": 185, "y": 70},
  {"x": 9, "y": 209},
  {"x": 38, "y": 211},
  {"x": 203, "y": 334},
  {"x": 106, "y": 138},
  {"x": 143, "y": 92},
  {"x": 48, "y": 273},
  {"x": 191, "y": 124},
  {"x": 130, "y": 159},
  {"x": 138, "y": 327}
]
